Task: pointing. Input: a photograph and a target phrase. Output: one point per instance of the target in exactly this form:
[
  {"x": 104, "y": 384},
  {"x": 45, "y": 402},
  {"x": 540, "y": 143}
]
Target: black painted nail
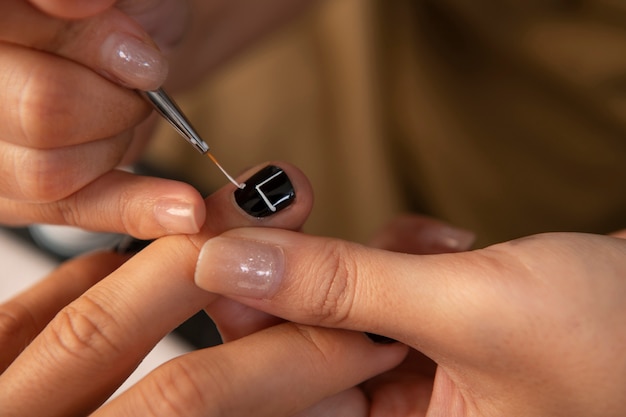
[
  {"x": 266, "y": 192},
  {"x": 381, "y": 340},
  {"x": 129, "y": 245}
]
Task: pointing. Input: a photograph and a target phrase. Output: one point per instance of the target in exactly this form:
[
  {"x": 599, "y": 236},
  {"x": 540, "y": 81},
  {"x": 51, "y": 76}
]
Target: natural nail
[
  {"x": 266, "y": 192},
  {"x": 177, "y": 217},
  {"x": 133, "y": 62},
  {"x": 454, "y": 239},
  {"x": 240, "y": 267}
]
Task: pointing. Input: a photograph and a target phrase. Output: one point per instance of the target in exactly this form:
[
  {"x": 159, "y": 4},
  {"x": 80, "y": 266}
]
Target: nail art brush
[{"x": 166, "y": 107}]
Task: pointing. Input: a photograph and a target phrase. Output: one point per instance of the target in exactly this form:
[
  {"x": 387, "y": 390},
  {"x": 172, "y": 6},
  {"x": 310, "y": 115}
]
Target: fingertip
[
  {"x": 132, "y": 61},
  {"x": 179, "y": 215},
  {"x": 224, "y": 211},
  {"x": 140, "y": 206},
  {"x": 271, "y": 188},
  {"x": 240, "y": 267},
  {"x": 417, "y": 234},
  {"x": 163, "y": 207}
]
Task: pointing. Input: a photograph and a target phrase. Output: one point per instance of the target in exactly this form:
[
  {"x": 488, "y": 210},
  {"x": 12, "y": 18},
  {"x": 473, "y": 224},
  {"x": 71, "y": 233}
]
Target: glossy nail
[
  {"x": 133, "y": 62},
  {"x": 266, "y": 192},
  {"x": 240, "y": 267},
  {"x": 177, "y": 217},
  {"x": 454, "y": 239},
  {"x": 448, "y": 239}
]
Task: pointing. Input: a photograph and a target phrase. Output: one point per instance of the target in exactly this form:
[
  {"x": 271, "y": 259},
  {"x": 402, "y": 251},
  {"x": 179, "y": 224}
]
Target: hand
[
  {"x": 529, "y": 327},
  {"x": 217, "y": 30},
  {"x": 407, "y": 233},
  {"x": 69, "y": 120},
  {"x": 82, "y": 353}
]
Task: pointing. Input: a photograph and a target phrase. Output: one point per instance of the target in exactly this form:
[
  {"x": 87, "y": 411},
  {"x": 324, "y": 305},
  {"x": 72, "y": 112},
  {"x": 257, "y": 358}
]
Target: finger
[
  {"x": 25, "y": 315},
  {"x": 303, "y": 364},
  {"x": 423, "y": 235},
  {"x": 111, "y": 43},
  {"x": 143, "y": 207},
  {"x": 407, "y": 389},
  {"x": 407, "y": 394},
  {"x": 620, "y": 234},
  {"x": 232, "y": 215},
  {"x": 49, "y": 102},
  {"x": 152, "y": 13},
  {"x": 49, "y": 175},
  {"x": 73, "y": 9},
  {"x": 333, "y": 283},
  {"x": 107, "y": 331},
  {"x": 235, "y": 320},
  {"x": 408, "y": 233},
  {"x": 349, "y": 403}
]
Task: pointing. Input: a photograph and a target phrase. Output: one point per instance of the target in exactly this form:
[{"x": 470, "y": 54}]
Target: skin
[
  {"x": 87, "y": 325},
  {"x": 70, "y": 118},
  {"x": 528, "y": 327}
]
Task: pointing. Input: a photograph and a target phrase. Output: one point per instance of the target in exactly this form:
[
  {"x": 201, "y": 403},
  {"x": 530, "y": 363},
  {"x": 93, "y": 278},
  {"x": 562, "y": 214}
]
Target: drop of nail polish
[{"x": 266, "y": 192}]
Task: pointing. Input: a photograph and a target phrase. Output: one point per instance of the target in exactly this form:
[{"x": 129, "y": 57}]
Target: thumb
[{"x": 423, "y": 301}]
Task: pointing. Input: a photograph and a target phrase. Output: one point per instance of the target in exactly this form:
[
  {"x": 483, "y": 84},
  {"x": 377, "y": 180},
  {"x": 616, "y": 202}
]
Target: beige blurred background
[{"x": 504, "y": 117}]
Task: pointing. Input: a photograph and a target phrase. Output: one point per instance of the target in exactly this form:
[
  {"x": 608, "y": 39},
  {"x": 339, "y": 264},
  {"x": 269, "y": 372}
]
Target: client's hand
[
  {"x": 69, "y": 117},
  {"x": 67, "y": 343},
  {"x": 534, "y": 326}
]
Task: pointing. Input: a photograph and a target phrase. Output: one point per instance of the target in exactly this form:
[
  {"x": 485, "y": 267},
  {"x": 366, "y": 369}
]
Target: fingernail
[
  {"x": 455, "y": 239},
  {"x": 266, "y": 192},
  {"x": 176, "y": 217},
  {"x": 133, "y": 62},
  {"x": 440, "y": 238},
  {"x": 240, "y": 267}
]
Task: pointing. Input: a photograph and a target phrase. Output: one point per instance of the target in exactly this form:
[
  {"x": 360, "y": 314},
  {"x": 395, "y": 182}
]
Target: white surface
[
  {"x": 23, "y": 265},
  {"x": 69, "y": 241}
]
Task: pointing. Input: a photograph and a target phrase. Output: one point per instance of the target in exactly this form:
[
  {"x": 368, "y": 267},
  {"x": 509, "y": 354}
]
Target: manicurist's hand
[
  {"x": 88, "y": 325},
  {"x": 530, "y": 327},
  {"x": 70, "y": 114}
]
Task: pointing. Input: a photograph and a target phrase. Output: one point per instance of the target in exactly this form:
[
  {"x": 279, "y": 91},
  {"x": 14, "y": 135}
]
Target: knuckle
[
  {"x": 43, "y": 178},
  {"x": 16, "y": 321},
  {"x": 174, "y": 391},
  {"x": 127, "y": 214},
  {"x": 45, "y": 108},
  {"x": 311, "y": 337},
  {"x": 71, "y": 211},
  {"x": 85, "y": 331},
  {"x": 336, "y": 295}
]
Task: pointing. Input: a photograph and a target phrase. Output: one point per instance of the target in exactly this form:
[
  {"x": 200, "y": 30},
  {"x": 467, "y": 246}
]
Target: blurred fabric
[{"x": 505, "y": 117}]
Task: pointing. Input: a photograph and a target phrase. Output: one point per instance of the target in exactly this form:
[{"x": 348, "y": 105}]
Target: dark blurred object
[{"x": 200, "y": 331}]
